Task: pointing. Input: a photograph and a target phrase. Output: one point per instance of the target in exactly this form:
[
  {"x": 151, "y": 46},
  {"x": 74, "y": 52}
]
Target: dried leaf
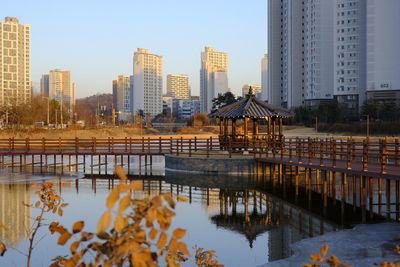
[
  {"x": 120, "y": 223},
  {"x": 63, "y": 205},
  {"x": 179, "y": 233},
  {"x": 162, "y": 240},
  {"x": 112, "y": 198},
  {"x": 316, "y": 257},
  {"x": 181, "y": 198},
  {"x": 170, "y": 201},
  {"x": 153, "y": 233},
  {"x": 64, "y": 238},
  {"x": 3, "y": 248},
  {"x": 37, "y": 204},
  {"x": 124, "y": 203},
  {"x": 35, "y": 186},
  {"x": 104, "y": 222},
  {"x": 119, "y": 171},
  {"x": 136, "y": 185},
  {"x": 60, "y": 212},
  {"x": 74, "y": 247},
  {"x": 183, "y": 248},
  {"x": 324, "y": 249},
  {"x": 78, "y": 226}
]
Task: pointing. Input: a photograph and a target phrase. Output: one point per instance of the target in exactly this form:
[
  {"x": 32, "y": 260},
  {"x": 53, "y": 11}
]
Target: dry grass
[{"x": 97, "y": 132}]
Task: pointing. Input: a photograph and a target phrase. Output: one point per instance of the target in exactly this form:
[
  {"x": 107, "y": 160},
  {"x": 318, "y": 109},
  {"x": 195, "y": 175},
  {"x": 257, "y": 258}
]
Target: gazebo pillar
[
  {"x": 221, "y": 126},
  {"x": 226, "y": 127},
  {"x": 255, "y": 127},
  {"x": 234, "y": 127},
  {"x": 269, "y": 127},
  {"x": 273, "y": 128},
  {"x": 280, "y": 128},
  {"x": 245, "y": 128}
]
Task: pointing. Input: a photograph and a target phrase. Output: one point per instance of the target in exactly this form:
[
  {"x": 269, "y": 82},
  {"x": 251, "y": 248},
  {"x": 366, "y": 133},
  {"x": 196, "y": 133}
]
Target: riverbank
[{"x": 362, "y": 246}]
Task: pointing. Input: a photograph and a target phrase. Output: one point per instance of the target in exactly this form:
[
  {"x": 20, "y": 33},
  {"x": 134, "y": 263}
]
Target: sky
[{"x": 96, "y": 39}]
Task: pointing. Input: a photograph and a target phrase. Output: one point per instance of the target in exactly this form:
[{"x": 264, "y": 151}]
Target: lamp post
[{"x": 367, "y": 125}]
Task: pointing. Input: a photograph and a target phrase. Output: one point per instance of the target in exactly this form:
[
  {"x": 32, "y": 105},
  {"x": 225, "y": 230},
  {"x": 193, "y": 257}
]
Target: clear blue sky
[{"x": 96, "y": 39}]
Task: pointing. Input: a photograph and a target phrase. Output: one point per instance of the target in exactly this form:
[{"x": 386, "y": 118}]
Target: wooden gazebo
[{"x": 239, "y": 123}]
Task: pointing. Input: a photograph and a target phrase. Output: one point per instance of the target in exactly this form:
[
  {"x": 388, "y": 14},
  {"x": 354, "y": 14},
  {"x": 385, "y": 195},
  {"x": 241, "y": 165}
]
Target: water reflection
[
  {"x": 13, "y": 213},
  {"x": 246, "y": 227}
]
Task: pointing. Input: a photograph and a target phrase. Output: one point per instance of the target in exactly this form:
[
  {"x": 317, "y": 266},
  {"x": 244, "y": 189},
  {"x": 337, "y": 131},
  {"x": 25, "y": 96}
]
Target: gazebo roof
[{"x": 250, "y": 107}]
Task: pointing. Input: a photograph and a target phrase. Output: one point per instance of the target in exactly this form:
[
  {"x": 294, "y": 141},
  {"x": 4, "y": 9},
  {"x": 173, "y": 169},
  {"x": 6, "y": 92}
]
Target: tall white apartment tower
[
  {"x": 147, "y": 82},
  {"x": 213, "y": 77},
  {"x": 285, "y": 53},
  {"x": 123, "y": 97},
  {"x": 265, "y": 93},
  {"x": 178, "y": 86},
  {"x": 61, "y": 87},
  {"x": 318, "y": 51},
  {"x": 350, "y": 52},
  {"x": 15, "y": 62},
  {"x": 383, "y": 53}
]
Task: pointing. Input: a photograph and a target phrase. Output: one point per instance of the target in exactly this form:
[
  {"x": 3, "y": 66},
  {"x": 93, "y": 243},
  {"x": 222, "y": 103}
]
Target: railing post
[
  {"x": 27, "y": 148},
  {"x": 109, "y": 144},
  {"x": 177, "y": 147},
  {"x": 171, "y": 148},
  {"x": 349, "y": 150},
  {"x": 160, "y": 144},
  {"x": 181, "y": 144},
  {"x": 290, "y": 150},
  {"x": 321, "y": 152},
  {"x": 396, "y": 151},
  {"x": 333, "y": 153},
  {"x": 310, "y": 148},
  {"x": 76, "y": 144},
  {"x": 148, "y": 144},
  {"x": 112, "y": 144},
  {"x": 126, "y": 144},
  {"x": 94, "y": 144},
  {"x": 365, "y": 155},
  {"x": 130, "y": 144},
  {"x": 59, "y": 144},
  {"x": 207, "y": 148},
  {"x": 211, "y": 143},
  {"x": 190, "y": 147},
  {"x": 44, "y": 144},
  {"x": 195, "y": 143},
  {"x": 383, "y": 156},
  {"x": 142, "y": 144}
]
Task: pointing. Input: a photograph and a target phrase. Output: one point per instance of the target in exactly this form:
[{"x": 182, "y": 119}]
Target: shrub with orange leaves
[{"x": 131, "y": 231}]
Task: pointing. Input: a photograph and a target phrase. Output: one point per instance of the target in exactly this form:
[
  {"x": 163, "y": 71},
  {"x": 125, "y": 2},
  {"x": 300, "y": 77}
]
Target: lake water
[{"x": 245, "y": 226}]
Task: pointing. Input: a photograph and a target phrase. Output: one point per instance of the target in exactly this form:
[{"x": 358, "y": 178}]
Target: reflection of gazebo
[
  {"x": 239, "y": 122},
  {"x": 250, "y": 226}
]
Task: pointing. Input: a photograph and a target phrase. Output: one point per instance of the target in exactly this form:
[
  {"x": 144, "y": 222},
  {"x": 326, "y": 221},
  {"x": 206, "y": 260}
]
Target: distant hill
[{"x": 92, "y": 102}]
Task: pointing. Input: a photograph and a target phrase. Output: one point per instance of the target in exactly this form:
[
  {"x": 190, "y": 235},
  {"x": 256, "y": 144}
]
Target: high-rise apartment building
[
  {"x": 383, "y": 53},
  {"x": 264, "y": 78},
  {"x": 44, "y": 85},
  {"x": 15, "y": 62},
  {"x": 123, "y": 97},
  {"x": 213, "y": 77},
  {"x": 178, "y": 86},
  {"x": 147, "y": 82},
  {"x": 285, "y": 53},
  {"x": 61, "y": 87},
  {"x": 318, "y": 52},
  {"x": 350, "y": 52},
  {"x": 115, "y": 94}
]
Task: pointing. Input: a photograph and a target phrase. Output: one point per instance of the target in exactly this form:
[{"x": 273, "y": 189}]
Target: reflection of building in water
[{"x": 13, "y": 213}]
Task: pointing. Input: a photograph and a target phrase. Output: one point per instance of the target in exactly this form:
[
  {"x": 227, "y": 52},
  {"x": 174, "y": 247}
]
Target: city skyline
[{"x": 86, "y": 44}]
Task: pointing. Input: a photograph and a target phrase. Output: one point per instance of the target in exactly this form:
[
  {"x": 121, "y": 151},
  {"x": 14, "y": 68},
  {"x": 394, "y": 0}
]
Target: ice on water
[{"x": 364, "y": 246}]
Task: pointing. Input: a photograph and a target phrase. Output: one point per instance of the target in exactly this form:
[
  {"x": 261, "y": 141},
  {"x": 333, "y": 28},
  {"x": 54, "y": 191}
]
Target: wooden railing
[{"x": 382, "y": 151}]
